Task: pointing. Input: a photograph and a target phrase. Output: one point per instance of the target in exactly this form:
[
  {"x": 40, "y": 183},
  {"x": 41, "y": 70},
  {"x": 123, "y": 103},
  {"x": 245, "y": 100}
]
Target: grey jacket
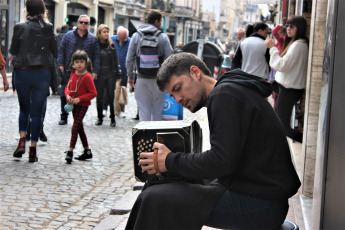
[{"x": 164, "y": 46}]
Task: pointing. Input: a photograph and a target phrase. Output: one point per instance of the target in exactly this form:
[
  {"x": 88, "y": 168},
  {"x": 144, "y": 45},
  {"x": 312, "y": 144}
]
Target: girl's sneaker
[
  {"x": 86, "y": 155},
  {"x": 69, "y": 156}
]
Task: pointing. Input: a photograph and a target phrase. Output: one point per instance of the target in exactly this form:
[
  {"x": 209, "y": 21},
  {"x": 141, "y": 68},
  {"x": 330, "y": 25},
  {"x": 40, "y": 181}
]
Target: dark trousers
[
  {"x": 64, "y": 113},
  {"x": 239, "y": 211},
  {"x": 32, "y": 87},
  {"x": 43, "y": 115},
  {"x": 106, "y": 84},
  {"x": 79, "y": 113},
  {"x": 284, "y": 105}
]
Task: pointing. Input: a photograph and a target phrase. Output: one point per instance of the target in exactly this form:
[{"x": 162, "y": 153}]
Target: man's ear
[{"x": 195, "y": 72}]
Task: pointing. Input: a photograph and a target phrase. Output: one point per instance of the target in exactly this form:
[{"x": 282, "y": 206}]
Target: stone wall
[{"x": 313, "y": 92}]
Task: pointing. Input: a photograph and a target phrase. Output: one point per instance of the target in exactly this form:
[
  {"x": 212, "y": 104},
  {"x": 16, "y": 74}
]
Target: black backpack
[{"x": 148, "y": 56}]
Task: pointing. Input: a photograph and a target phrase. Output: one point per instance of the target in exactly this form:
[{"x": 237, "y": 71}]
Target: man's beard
[{"x": 201, "y": 103}]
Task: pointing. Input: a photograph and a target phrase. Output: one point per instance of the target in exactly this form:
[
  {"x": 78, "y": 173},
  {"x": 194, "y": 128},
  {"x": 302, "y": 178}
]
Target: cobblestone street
[{"x": 51, "y": 194}]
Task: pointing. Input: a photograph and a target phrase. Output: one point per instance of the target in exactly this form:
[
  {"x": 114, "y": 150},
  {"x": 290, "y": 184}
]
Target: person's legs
[
  {"x": 78, "y": 113},
  {"x": 43, "y": 136},
  {"x": 284, "y": 105},
  {"x": 23, "y": 88},
  {"x": 79, "y": 116},
  {"x": 64, "y": 113},
  {"x": 100, "y": 86},
  {"x": 110, "y": 87},
  {"x": 239, "y": 211},
  {"x": 157, "y": 102},
  {"x": 105, "y": 103},
  {"x": 174, "y": 205},
  {"x": 38, "y": 98},
  {"x": 32, "y": 87},
  {"x": 143, "y": 96}
]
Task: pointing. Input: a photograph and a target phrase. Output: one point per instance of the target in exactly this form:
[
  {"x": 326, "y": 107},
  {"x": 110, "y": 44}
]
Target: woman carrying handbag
[{"x": 34, "y": 45}]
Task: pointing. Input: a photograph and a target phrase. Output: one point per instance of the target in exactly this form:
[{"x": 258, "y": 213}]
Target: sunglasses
[
  {"x": 83, "y": 22},
  {"x": 289, "y": 25}
]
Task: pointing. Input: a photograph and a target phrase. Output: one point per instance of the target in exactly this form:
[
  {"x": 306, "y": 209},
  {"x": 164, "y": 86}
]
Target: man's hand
[
  {"x": 147, "y": 163},
  {"x": 62, "y": 68},
  {"x": 269, "y": 42},
  {"x": 94, "y": 76},
  {"x": 131, "y": 82}
]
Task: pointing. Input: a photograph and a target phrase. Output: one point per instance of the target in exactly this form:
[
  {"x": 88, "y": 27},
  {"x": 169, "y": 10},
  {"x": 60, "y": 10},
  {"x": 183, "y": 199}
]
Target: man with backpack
[{"x": 148, "y": 49}]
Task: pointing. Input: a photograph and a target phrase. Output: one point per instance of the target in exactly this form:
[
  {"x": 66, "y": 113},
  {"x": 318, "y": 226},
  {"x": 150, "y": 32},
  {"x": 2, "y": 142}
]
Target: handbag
[{"x": 57, "y": 77}]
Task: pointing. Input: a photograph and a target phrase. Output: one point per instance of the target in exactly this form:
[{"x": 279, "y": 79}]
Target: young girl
[
  {"x": 291, "y": 66},
  {"x": 79, "y": 92}
]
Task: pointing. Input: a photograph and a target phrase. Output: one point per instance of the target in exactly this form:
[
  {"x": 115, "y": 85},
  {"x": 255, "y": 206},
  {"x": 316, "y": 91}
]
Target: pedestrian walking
[
  {"x": 147, "y": 50},
  {"x": 252, "y": 56},
  {"x": 81, "y": 39},
  {"x": 108, "y": 74},
  {"x": 291, "y": 67},
  {"x": 79, "y": 92},
  {"x": 121, "y": 42},
  {"x": 34, "y": 45}
]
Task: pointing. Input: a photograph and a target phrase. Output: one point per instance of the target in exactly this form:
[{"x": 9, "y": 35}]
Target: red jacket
[{"x": 86, "y": 89}]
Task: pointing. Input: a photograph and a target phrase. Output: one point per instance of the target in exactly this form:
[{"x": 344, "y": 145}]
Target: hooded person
[{"x": 249, "y": 156}]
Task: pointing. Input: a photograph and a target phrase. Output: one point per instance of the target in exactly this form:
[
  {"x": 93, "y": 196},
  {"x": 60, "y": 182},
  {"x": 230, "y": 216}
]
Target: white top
[
  {"x": 292, "y": 67},
  {"x": 253, "y": 57}
]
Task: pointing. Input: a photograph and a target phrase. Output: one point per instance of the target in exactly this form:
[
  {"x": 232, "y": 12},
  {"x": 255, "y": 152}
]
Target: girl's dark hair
[
  {"x": 301, "y": 25},
  {"x": 80, "y": 55},
  {"x": 35, "y": 7}
]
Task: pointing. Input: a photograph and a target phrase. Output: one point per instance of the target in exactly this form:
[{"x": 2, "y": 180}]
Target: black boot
[
  {"x": 113, "y": 122},
  {"x": 63, "y": 120},
  {"x": 99, "y": 122},
  {"x": 43, "y": 136},
  {"x": 86, "y": 155},
  {"x": 69, "y": 156}
]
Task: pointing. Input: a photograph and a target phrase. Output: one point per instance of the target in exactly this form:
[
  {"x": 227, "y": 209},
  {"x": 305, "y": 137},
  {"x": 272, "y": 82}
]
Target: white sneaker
[
  {"x": 104, "y": 113},
  {"x": 123, "y": 115}
]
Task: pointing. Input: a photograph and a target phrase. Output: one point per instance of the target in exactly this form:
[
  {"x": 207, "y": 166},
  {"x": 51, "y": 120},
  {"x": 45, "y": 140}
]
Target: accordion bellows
[{"x": 178, "y": 136}]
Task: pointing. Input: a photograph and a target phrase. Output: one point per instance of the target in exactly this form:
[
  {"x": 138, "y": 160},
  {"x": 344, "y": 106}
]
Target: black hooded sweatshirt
[{"x": 249, "y": 152}]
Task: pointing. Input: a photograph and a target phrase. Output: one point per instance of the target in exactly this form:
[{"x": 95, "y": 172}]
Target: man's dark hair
[
  {"x": 259, "y": 26},
  {"x": 153, "y": 16},
  {"x": 249, "y": 30},
  {"x": 179, "y": 64}
]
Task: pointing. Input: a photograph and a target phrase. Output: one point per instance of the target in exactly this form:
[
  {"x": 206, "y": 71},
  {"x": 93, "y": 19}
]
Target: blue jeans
[
  {"x": 32, "y": 87},
  {"x": 238, "y": 211},
  {"x": 64, "y": 113}
]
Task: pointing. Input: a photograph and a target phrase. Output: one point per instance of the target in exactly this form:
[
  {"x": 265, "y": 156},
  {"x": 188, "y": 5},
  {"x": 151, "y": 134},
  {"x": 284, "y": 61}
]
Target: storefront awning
[{"x": 136, "y": 23}]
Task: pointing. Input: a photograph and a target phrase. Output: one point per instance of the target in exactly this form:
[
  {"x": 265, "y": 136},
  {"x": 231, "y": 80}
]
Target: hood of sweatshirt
[
  {"x": 147, "y": 28},
  {"x": 253, "y": 82}
]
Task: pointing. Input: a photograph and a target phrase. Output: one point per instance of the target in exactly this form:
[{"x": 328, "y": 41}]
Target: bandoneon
[{"x": 178, "y": 136}]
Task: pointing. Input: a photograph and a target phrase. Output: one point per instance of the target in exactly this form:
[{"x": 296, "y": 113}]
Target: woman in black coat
[
  {"x": 109, "y": 73},
  {"x": 34, "y": 45}
]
